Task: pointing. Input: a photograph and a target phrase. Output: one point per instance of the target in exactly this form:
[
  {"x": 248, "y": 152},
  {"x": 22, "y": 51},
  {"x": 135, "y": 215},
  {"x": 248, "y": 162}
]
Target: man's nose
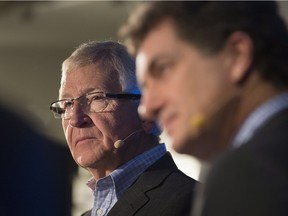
[
  {"x": 78, "y": 115},
  {"x": 150, "y": 104}
]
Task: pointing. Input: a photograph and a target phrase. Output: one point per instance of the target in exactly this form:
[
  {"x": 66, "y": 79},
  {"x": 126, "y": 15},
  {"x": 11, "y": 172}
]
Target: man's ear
[{"x": 239, "y": 47}]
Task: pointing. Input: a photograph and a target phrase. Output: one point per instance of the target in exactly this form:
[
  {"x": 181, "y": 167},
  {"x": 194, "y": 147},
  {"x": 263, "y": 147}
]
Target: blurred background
[{"x": 35, "y": 37}]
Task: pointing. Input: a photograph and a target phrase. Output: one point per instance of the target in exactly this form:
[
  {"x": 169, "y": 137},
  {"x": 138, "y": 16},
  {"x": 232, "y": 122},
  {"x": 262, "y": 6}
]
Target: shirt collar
[
  {"x": 259, "y": 117},
  {"x": 126, "y": 174}
]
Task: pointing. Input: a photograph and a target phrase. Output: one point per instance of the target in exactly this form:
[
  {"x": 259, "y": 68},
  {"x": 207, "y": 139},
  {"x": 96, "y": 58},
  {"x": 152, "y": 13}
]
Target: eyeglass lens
[{"x": 89, "y": 103}]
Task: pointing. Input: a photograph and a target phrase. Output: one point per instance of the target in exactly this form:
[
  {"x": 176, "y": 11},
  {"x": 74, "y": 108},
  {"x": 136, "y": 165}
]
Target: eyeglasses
[{"x": 90, "y": 102}]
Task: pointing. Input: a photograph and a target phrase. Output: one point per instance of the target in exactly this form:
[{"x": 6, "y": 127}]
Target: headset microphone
[
  {"x": 119, "y": 143},
  {"x": 199, "y": 120}
]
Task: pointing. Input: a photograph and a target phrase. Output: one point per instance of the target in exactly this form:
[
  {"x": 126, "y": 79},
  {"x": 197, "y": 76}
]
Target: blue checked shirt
[
  {"x": 107, "y": 190},
  {"x": 259, "y": 117}
]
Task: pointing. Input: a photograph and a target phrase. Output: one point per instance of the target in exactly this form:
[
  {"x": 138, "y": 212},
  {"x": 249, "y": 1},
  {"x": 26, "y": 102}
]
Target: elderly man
[
  {"x": 132, "y": 174},
  {"x": 215, "y": 76}
]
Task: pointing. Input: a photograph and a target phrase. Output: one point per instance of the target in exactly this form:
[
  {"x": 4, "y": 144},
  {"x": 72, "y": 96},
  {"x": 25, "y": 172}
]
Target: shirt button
[{"x": 99, "y": 212}]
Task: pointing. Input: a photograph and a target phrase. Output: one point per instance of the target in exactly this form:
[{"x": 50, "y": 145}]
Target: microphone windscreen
[
  {"x": 197, "y": 121},
  {"x": 118, "y": 144}
]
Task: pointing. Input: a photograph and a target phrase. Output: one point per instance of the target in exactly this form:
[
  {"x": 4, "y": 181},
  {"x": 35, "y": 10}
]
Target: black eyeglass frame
[{"x": 129, "y": 96}]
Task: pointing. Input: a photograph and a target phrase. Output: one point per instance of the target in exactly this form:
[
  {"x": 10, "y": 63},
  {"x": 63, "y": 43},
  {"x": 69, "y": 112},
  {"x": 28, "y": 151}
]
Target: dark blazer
[
  {"x": 162, "y": 190},
  {"x": 252, "y": 180}
]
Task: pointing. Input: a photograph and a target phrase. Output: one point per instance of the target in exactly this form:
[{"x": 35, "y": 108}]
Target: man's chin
[
  {"x": 181, "y": 145},
  {"x": 82, "y": 161},
  {"x": 190, "y": 145}
]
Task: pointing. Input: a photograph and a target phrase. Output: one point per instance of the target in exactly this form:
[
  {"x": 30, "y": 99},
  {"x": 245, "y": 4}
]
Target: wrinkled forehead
[{"x": 78, "y": 80}]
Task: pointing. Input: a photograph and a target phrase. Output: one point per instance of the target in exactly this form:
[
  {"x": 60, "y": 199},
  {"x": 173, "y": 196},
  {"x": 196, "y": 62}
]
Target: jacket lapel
[
  {"x": 88, "y": 213},
  {"x": 135, "y": 197}
]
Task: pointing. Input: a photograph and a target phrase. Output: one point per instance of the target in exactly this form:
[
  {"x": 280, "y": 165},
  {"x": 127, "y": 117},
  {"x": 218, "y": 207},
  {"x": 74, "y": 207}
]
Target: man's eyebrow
[
  {"x": 154, "y": 62},
  {"x": 86, "y": 91},
  {"x": 90, "y": 90},
  {"x": 160, "y": 57}
]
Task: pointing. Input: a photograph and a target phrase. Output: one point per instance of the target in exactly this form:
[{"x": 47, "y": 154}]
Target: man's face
[
  {"x": 181, "y": 86},
  {"x": 91, "y": 136}
]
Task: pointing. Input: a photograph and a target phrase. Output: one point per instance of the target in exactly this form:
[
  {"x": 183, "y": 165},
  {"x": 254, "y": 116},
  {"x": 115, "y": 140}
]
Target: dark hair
[{"x": 208, "y": 24}]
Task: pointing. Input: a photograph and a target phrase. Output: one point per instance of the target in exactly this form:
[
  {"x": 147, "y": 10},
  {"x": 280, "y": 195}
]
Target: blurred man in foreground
[
  {"x": 215, "y": 76},
  {"x": 132, "y": 174}
]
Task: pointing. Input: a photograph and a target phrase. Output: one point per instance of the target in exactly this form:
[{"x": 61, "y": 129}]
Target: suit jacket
[
  {"x": 162, "y": 190},
  {"x": 253, "y": 179}
]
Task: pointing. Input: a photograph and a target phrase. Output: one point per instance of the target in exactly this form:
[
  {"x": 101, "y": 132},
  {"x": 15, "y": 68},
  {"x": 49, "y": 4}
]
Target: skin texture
[
  {"x": 91, "y": 136},
  {"x": 197, "y": 97}
]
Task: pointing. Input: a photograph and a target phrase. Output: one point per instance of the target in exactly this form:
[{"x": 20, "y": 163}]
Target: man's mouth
[
  {"x": 167, "y": 122},
  {"x": 82, "y": 140}
]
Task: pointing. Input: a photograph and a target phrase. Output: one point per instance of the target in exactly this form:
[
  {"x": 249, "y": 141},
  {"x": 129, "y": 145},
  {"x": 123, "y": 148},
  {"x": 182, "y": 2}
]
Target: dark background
[{"x": 37, "y": 171}]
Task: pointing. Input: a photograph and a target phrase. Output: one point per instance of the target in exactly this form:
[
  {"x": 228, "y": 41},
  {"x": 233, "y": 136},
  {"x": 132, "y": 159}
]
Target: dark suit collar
[{"x": 135, "y": 197}]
